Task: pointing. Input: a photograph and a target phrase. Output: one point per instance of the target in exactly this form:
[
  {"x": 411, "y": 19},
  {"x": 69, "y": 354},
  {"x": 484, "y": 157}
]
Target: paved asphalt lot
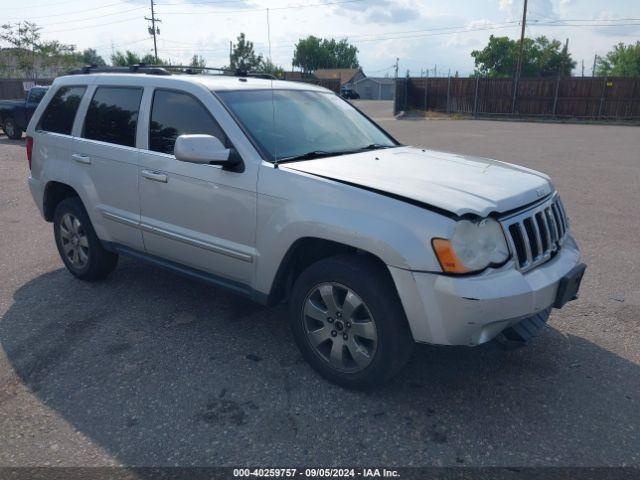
[{"x": 147, "y": 368}]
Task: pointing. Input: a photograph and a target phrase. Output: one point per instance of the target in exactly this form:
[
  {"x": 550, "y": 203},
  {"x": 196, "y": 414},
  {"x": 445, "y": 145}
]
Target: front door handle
[
  {"x": 80, "y": 158},
  {"x": 155, "y": 176}
]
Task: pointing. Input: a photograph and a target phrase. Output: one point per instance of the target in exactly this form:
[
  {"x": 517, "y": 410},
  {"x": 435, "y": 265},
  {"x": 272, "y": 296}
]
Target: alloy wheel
[
  {"x": 74, "y": 241},
  {"x": 339, "y": 327}
]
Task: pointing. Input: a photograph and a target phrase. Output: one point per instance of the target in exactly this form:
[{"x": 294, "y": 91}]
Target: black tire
[
  {"x": 370, "y": 281},
  {"x": 99, "y": 262},
  {"x": 11, "y": 129}
]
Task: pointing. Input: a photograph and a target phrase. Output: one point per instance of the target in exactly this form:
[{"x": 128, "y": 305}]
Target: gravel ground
[{"x": 147, "y": 368}]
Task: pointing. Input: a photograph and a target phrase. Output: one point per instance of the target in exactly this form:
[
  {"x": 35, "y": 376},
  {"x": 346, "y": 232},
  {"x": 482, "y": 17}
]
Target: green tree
[
  {"x": 312, "y": 53},
  {"x": 541, "y": 58},
  {"x": 90, "y": 57},
  {"x": 622, "y": 61},
  {"x": 243, "y": 56},
  {"x": 271, "y": 68},
  {"x": 31, "y": 54},
  {"x": 129, "y": 58},
  {"x": 197, "y": 61},
  {"x": 124, "y": 59}
]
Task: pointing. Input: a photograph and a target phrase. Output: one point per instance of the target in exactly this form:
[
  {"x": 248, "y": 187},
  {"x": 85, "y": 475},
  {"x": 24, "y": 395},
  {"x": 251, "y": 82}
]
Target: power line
[
  {"x": 90, "y": 18},
  {"x": 122, "y": 44},
  {"x": 362, "y": 38},
  {"x": 383, "y": 36},
  {"x": 203, "y": 2},
  {"x": 94, "y": 25},
  {"x": 46, "y": 4},
  {"x": 223, "y": 12},
  {"x": 66, "y": 14}
]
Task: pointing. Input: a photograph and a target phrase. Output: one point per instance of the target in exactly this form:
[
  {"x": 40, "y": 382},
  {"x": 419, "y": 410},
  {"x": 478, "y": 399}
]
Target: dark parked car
[
  {"x": 15, "y": 114},
  {"x": 346, "y": 92}
]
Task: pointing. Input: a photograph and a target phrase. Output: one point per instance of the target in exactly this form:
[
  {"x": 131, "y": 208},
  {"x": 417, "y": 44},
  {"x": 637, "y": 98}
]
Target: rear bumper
[
  {"x": 37, "y": 192},
  {"x": 449, "y": 310}
]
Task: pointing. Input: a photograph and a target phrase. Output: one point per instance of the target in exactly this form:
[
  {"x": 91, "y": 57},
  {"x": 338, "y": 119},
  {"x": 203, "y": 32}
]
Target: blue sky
[{"x": 422, "y": 33}]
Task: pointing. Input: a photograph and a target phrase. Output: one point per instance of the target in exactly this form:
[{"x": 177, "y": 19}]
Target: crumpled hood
[{"x": 457, "y": 183}]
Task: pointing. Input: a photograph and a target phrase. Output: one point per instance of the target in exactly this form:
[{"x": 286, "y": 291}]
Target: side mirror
[{"x": 205, "y": 149}]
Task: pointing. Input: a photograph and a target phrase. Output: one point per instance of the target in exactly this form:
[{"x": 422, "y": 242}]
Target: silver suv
[{"x": 284, "y": 191}]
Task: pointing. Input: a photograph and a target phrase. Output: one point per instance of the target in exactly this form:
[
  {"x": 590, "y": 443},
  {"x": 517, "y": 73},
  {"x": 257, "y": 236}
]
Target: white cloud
[
  {"x": 382, "y": 11},
  {"x": 608, "y": 17}
]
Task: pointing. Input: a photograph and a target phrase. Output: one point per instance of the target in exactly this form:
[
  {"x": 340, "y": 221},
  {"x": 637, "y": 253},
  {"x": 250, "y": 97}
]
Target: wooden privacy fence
[
  {"x": 329, "y": 83},
  {"x": 572, "y": 97},
  {"x": 14, "y": 88}
]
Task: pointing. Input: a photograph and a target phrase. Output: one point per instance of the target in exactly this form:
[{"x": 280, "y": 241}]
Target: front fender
[{"x": 294, "y": 205}]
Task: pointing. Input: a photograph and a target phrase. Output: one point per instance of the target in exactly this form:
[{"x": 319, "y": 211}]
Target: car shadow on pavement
[{"x": 159, "y": 370}]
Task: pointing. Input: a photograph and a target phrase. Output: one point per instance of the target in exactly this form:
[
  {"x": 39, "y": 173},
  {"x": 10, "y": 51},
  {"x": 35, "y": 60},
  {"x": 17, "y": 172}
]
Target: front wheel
[
  {"x": 348, "y": 321},
  {"x": 11, "y": 129}
]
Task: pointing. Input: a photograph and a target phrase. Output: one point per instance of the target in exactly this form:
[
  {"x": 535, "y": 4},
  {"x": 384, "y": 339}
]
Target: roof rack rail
[
  {"x": 168, "y": 69},
  {"x": 138, "y": 68},
  {"x": 191, "y": 70}
]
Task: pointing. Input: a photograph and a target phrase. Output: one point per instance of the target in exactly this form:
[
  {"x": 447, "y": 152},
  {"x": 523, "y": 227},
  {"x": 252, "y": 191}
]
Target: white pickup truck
[{"x": 284, "y": 191}]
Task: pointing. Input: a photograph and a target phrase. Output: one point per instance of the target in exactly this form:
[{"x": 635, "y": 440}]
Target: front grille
[{"x": 536, "y": 234}]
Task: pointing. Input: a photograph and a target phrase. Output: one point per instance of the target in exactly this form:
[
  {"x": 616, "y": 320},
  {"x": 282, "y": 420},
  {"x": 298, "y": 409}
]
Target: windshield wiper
[
  {"x": 373, "y": 146},
  {"x": 309, "y": 156},
  {"x": 323, "y": 153}
]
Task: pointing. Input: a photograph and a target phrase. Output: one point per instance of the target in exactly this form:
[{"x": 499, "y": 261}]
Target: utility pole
[
  {"x": 595, "y": 60},
  {"x": 521, "y": 52},
  {"x": 565, "y": 52},
  {"x": 516, "y": 78},
  {"x": 153, "y": 30},
  {"x": 583, "y": 67},
  {"x": 231, "y": 56},
  {"x": 397, "y": 65}
]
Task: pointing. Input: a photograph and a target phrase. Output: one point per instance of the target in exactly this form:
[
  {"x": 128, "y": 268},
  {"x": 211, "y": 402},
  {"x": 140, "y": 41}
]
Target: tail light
[{"x": 29, "y": 145}]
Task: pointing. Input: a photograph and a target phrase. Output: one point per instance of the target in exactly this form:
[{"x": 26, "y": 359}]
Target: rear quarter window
[
  {"x": 113, "y": 115},
  {"x": 61, "y": 111}
]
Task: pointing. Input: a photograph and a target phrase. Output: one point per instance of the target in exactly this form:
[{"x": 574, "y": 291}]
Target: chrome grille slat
[
  {"x": 558, "y": 220},
  {"x": 535, "y": 234},
  {"x": 527, "y": 246},
  {"x": 545, "y": 229},
  {"x": 552, "y": 225}
]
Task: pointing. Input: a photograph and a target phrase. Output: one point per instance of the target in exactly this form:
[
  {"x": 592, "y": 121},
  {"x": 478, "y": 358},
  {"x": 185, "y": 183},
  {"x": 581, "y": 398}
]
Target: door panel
[
  {"x": 113, "y": 189},
  {"x": 108, "y": 155},
  {"x": 195, "y": 215},
  {"x": 201, "y": 216}
]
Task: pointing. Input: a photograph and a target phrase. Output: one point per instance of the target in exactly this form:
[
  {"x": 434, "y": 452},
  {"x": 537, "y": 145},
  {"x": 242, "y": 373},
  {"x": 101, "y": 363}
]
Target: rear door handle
[
  {"x": 155, "y": 176},
  {"x": 80, "y": 158}
]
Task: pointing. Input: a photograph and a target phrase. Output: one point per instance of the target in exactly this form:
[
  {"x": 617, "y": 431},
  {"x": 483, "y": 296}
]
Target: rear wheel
[
  {"x": 11, "y": 129},
  {"x": 79, "y": 247},
  {"x": 348, "y": 322}
]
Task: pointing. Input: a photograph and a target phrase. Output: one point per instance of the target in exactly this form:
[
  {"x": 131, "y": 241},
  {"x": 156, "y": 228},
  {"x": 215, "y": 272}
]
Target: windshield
[{"x": 293, "y": 123}]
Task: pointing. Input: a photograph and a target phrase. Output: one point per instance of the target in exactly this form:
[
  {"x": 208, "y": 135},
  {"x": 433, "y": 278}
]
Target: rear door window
[
  {"x": 112, "y": 116},
  {"x": 59, "y": 115},
  {"x": 177, "y": 113}
]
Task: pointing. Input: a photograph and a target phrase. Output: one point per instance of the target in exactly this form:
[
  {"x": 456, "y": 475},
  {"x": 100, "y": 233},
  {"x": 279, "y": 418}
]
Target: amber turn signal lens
[{"x": 447, "y": 257}]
